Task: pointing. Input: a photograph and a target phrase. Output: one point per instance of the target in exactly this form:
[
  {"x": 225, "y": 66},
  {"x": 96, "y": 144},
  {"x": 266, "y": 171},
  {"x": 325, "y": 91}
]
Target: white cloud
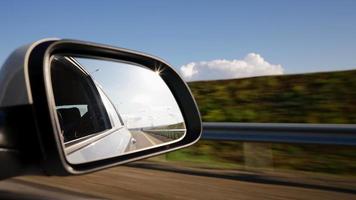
[{"x": 252, "y": 65}]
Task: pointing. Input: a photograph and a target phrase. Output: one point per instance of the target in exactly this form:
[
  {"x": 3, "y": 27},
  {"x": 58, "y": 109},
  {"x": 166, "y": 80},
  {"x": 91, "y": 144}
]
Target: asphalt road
[
  {"x": 143, "y": 140},
  {"x": 146, "y": 180}
]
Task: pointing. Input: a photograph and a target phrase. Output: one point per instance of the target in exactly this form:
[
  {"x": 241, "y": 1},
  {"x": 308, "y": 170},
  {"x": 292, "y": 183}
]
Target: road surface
[
  {"x": 147, "y": 180},
  {"x": 143, "y": 140}
]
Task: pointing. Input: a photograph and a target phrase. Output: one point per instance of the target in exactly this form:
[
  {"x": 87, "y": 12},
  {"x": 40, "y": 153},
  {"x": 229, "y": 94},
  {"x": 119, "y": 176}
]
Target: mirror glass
[{"x": 108, "y": 108}]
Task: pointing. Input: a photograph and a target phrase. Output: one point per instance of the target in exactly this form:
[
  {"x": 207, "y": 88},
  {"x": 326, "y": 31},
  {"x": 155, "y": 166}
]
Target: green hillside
[{"x": 310, "y": 98}]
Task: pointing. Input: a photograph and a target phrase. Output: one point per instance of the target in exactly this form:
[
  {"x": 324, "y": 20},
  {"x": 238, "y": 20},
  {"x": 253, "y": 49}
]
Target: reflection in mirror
[{"x": 107, "y": 108}]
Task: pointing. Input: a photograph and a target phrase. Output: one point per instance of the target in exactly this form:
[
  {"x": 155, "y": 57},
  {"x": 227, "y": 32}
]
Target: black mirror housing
[{"x": 28, "y": 121}]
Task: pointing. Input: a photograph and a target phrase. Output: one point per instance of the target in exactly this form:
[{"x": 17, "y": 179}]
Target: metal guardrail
[{"x": 333, "y": 134}]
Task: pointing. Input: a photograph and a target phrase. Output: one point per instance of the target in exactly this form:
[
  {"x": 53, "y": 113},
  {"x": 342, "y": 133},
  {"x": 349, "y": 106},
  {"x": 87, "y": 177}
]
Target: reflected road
[{"x": 143, "y": 140}]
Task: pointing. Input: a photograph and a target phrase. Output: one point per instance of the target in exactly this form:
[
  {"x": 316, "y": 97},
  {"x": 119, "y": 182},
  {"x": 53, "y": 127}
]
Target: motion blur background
[{"x": 255, "y": 61}]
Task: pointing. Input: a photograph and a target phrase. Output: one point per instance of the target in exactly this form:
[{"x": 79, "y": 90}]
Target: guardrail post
[{"x": 258, "y": 155}]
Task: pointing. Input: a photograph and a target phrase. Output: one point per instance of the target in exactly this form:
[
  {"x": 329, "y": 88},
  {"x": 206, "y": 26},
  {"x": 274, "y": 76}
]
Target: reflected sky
[{"x": 140, "y": 95}]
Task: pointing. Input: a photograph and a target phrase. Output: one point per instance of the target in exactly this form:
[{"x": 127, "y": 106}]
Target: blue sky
[
  {"x": 140, "y": 95},
  {"x": 298, "y": 35}
]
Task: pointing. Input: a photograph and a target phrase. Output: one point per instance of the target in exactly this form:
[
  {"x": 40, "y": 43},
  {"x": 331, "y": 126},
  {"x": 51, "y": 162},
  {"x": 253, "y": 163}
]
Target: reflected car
[{"x": 91, "y": 127}]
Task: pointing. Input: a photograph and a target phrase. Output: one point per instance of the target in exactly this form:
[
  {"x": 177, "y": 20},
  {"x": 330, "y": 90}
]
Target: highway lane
[
  {"x": 143, "y": 140},
  {"x": 148, "y": 180},
  {"x": 29, "y": 190}
]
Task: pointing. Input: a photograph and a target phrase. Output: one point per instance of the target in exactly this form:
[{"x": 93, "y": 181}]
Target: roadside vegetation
[{"x": 309, "y": 98}]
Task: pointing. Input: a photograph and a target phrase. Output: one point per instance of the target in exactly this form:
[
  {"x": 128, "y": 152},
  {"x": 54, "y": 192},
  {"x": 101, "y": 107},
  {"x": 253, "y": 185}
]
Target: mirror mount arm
[
  {"x": 19, "y": 150},
  {"x": 19, "y": 145}
]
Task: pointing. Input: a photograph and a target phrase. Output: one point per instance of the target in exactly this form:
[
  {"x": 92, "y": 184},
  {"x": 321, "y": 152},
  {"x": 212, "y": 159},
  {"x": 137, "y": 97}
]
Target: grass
[{"x": 232, "y": 155}]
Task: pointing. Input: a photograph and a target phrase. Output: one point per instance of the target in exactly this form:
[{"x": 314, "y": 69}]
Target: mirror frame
[{"x": 54, "y": 161}]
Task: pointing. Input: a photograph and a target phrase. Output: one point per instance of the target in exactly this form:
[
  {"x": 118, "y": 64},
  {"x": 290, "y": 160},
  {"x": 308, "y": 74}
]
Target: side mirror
[{"x": 70, "y": 107}]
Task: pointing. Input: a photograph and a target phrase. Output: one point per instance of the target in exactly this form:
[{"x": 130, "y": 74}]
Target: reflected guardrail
[
  {"x": 333, "y": 134},
  {"x": 168, "y": 133}
]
